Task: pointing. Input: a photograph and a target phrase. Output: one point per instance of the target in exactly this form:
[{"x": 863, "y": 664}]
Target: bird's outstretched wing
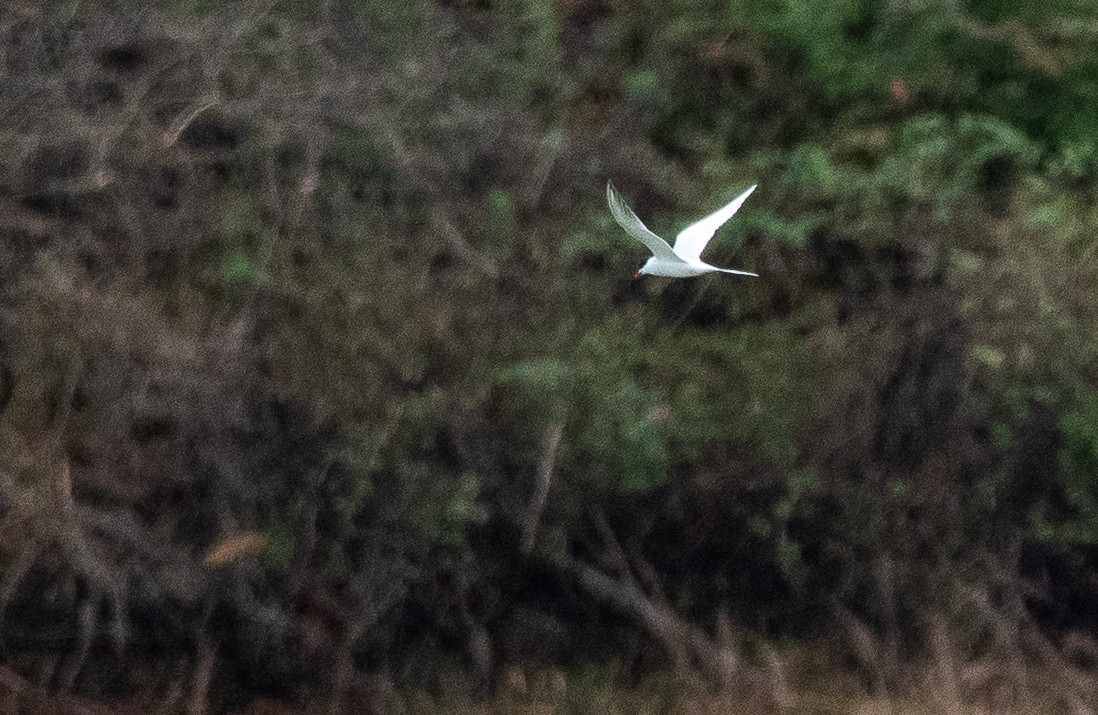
[
  {"x": 633, "y": 226},
  {"x": 692, "y": 240}
]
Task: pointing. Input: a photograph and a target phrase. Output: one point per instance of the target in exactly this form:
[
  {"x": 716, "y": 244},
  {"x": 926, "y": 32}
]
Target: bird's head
[{"x": 645, "y": 269}]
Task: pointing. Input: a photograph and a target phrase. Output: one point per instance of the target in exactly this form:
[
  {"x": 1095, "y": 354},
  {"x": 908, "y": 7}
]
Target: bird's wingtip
[{"x": 613, "y": 198}]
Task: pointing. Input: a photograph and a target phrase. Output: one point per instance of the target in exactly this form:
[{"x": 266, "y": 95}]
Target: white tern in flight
[{"x": 684, "y": 260}]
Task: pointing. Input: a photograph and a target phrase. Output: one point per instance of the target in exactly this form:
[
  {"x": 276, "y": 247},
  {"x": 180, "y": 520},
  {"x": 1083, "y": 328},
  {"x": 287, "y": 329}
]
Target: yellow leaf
[{"x": 246, "y": 543}]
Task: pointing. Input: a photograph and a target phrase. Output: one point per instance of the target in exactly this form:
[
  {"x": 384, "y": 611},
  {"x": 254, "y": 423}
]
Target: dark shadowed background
[{"x": 326, "y": 389}]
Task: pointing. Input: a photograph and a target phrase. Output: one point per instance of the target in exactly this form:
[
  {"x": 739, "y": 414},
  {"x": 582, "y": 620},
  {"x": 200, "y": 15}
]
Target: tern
[{"x": 684, "y": 260}]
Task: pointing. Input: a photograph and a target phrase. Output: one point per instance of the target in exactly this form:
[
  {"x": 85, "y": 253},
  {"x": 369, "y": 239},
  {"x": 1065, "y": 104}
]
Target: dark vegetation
[{"x": 324, "y": 380}]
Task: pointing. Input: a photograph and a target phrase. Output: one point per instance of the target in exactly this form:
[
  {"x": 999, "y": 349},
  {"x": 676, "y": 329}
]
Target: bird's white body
[
  {"x": 675, "y": 269},
  {"x": 682, "y": 269},
  {"x": 684, "y": 260}
]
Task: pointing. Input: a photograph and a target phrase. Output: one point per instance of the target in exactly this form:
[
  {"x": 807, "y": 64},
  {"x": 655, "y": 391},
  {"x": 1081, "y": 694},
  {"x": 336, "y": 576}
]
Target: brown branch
[
  {"x": 615, "y": 552},
  {"x": 171, "y": 136},
  {"x": 442, "y": 223},
  {"x": 686, "y": 644},
  {"x": 544, "y": 477},
  {"x": 203, "y": 675}
]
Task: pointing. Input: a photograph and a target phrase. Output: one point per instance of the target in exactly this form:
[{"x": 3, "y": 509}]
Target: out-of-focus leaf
[{"x": 234, "y": 548}]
